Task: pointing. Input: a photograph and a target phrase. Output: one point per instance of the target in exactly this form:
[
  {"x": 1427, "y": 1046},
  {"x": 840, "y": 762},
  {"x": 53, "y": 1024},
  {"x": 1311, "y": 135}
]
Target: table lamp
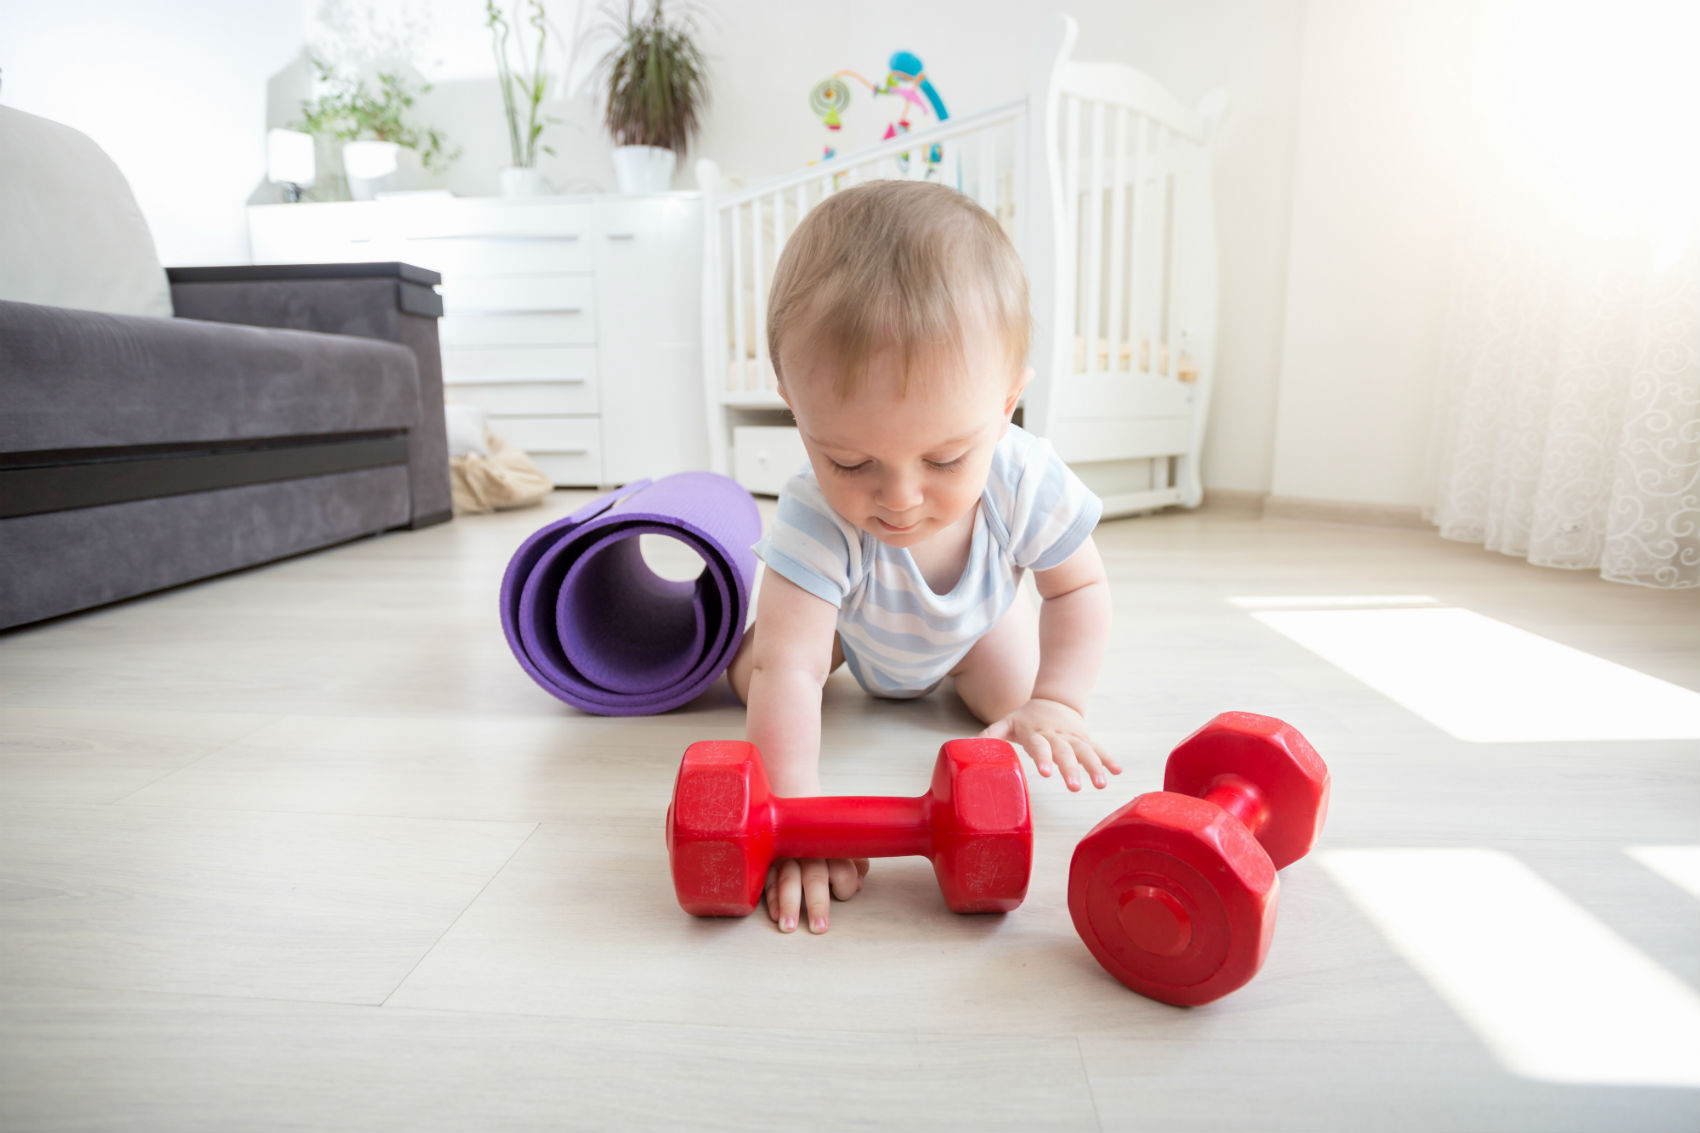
[{"x": 289, "y": 161}]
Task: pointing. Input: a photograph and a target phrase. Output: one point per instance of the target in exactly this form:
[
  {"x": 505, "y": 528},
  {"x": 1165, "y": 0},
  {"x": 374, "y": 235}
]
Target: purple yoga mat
[{"x": 592, "y": 624}]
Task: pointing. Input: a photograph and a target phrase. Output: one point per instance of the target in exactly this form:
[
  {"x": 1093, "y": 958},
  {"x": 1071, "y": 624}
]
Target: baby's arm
[
  {"x": 792, "y": 658},
  {"x": 1074, "y": 632}
]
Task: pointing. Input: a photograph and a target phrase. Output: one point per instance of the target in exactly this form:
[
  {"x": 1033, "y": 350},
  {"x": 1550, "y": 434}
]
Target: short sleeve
[
  {"x": 1048, "y": 512},
  {"x": 810, "y": 545}
]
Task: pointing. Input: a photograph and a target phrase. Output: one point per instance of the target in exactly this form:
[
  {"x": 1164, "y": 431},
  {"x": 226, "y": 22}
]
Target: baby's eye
[
  {"x": 947, "y": 465},
  {"x": 847, "y": 469}
]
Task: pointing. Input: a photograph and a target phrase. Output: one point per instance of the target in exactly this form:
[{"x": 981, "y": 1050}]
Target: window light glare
[
  {"x": 1488, "y": 682},
  {"x": 1331, "y": 601},
  {"x": 1679, "y": 865},
  {"x": 1553, "y": 992}
]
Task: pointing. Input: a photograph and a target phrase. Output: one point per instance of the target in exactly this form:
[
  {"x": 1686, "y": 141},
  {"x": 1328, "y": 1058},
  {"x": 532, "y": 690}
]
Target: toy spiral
[{"x": 829, "y": 99}]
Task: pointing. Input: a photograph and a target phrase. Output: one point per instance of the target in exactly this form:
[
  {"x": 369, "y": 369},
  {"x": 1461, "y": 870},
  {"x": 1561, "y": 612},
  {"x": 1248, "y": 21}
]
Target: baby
[{"x": 898, "y": 325}]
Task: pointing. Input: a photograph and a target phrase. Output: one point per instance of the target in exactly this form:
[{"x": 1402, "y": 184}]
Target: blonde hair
[{"x": 896, "y": 264}]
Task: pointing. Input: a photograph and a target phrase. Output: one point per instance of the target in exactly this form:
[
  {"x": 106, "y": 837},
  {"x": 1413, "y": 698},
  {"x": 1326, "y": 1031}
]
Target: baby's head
[{"x": 898, "y": 324}]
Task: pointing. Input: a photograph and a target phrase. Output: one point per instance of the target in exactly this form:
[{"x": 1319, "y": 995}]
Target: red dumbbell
[
  {"x": 1175, "y": 892},
  {"x": 725, "y": 827}
]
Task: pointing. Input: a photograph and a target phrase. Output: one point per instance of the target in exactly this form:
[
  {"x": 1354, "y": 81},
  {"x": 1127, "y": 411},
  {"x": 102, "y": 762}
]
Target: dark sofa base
[{"x": 59, "y": 562}]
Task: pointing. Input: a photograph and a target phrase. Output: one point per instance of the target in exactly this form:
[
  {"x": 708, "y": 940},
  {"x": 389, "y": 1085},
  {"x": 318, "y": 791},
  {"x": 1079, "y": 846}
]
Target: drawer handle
[
  {"x": 459, "y": 310},
  {"x": 622, "y": 235},
  {"x": 492, "y": 237}
]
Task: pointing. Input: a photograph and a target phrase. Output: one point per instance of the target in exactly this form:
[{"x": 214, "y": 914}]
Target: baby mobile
[{"x": 907, "y": 81}]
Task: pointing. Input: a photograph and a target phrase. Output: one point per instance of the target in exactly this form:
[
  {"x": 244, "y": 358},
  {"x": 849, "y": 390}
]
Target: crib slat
[
  {"x": 1176, "y": 201},
  {"x": 985, "y": 184},
  {"x": 735, "y": 252},
  {"x": 1071, "y": 194},
  {"x": 1139, "y": 244},
  {"x": 1094, "y": 239},
  {"x": 1116, "y": 323},
  {"x": 758, "y": 276},
  {"x": 1018, "y": 185},
  {"x": 802, "y": 207}
]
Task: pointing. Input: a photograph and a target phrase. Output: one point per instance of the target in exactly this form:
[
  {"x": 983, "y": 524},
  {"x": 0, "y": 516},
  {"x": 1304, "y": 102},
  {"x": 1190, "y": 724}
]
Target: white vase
[
  {"x": 644, "y": 169},
  {"x": 523, "y": 181},
  {"x": 370, "y": 167}
]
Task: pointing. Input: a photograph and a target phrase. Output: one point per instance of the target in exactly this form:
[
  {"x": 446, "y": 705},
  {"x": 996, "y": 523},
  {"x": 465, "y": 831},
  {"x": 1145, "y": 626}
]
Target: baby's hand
[
  {"x": 816, "y": 882},
  {"x": 1055, "y": 736}
]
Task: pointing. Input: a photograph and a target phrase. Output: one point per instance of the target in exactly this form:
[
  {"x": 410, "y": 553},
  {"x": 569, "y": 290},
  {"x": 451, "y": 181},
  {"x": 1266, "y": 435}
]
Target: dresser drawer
[
  {"x": 565, "y": 329},
  {"x": 570, "y": 471},
  {"x": 765, "y": 456},
  {"x": 527, "y": 399},
  {"x": 440, "y": 219},
  {"x": 560, "y": 435},
  {"x": 568, "y": 449},
  {"x": 476, "y": 257},
  {"x": 567, "y": 294},
  {"x": 466, "y": 365}
]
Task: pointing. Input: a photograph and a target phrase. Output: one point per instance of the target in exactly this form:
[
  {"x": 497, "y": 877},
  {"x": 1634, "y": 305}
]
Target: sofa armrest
[{"x": 395, "y": 302}]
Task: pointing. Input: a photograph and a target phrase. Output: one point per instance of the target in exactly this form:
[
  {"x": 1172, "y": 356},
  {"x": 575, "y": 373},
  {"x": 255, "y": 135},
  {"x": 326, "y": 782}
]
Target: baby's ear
[{"x": 1020, "y": 384}]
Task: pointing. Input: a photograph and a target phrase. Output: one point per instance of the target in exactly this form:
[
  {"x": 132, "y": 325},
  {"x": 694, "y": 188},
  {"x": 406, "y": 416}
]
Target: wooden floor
[{"x": 304, "y": 848}]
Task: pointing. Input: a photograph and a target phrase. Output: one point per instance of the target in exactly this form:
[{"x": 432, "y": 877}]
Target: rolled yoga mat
[{"x": 592, "y": 624}]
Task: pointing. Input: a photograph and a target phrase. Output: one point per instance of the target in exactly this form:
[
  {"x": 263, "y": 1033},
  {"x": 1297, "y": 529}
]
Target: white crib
[{"x": 1103, "y": 180}]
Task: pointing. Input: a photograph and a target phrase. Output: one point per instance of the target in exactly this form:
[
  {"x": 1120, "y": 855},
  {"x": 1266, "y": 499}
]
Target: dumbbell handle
[
  {"x": 1240, "y": 798},
  {"x": 852, "y": 826}
]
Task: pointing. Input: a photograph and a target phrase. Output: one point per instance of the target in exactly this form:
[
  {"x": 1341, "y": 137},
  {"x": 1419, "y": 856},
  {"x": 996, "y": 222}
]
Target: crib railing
[
  {"x": 1125, "y": 318},
  {"x": 982, "y": 154}
]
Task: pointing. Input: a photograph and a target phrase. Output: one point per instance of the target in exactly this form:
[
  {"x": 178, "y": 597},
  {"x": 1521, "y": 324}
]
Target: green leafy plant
[
  {"x": 530, "y": 86},
  {"x": 349, "y": 110},
  {"x": 657, "y": 78}
]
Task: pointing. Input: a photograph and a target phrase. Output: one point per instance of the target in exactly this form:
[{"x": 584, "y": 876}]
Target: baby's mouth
[{"x": 894, "y": 528}]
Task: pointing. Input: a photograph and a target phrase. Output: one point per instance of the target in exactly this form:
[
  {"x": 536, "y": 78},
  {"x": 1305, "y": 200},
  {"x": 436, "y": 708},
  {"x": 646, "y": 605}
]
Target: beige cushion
[{"x": 70, "y": 232}]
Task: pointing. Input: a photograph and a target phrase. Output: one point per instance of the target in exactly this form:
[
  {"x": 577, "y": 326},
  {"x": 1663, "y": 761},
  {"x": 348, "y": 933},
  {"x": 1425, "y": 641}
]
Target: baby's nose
[{"x": 899, "y": 493}]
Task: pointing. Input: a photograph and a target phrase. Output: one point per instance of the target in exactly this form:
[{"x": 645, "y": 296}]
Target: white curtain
[{"x": 1568, "y": 427}]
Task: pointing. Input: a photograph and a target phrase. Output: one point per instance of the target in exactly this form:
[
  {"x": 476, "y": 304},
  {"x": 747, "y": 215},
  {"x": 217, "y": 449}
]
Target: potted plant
[
  {"x": 370, "y": 125},
  {"x": 657, "y": 90},
  {"x": 521, "y": 88}
]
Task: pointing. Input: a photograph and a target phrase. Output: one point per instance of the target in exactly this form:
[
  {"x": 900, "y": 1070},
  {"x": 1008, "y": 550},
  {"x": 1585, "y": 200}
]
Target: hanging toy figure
[
  {"x": 906, "y": 79},
  {"x": 829, "y": 100}
]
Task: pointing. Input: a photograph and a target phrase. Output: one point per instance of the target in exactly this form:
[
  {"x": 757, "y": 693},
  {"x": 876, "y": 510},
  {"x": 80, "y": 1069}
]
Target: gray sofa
[{"x": 269, "y": 411}]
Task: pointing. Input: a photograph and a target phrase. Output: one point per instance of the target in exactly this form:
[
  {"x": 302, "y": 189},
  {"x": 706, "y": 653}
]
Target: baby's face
[{"x": 904, "y": 468}]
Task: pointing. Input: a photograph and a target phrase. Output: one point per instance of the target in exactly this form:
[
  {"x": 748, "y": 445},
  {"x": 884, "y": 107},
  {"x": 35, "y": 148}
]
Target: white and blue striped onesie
[{"x": 900, "y": 637}]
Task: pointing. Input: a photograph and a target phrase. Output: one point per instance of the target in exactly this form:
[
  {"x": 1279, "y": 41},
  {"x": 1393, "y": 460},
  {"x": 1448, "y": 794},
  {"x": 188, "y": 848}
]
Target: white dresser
[{"x": 574, "y": 322}]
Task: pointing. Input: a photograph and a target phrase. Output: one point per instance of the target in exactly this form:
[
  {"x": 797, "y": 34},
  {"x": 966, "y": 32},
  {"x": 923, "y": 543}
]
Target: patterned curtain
[{"x": 1568, "y": 426}]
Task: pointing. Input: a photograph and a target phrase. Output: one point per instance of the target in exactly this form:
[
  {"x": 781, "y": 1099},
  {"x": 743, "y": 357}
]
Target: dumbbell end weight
[
  {"x": 1174, "y": 897},
  {"x": 983, "y": 837},
  {"x": 1261, "y": 770},
  {"x": 719, "y": 855}
]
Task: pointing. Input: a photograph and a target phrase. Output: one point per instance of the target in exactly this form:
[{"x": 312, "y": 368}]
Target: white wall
[
  {"x": 1383, "y": 101},
  {"x": 179, "y": 92},
  {"x": 173, "y": 90}
]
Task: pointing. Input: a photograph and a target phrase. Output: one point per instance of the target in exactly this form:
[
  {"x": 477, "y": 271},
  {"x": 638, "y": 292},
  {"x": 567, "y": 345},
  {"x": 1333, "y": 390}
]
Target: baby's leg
[
  {"x": 745, "y": 660},
  {"x": 996, "y": 676}
]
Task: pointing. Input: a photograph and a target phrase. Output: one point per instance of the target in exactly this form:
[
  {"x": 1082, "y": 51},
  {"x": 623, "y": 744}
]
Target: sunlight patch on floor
[
  {"x": 1679, "y": 865},
  {"x": 1552, "y": 991},
  {"x": 1488, "y": 682},
  {"x": 1331, "y": 601}
]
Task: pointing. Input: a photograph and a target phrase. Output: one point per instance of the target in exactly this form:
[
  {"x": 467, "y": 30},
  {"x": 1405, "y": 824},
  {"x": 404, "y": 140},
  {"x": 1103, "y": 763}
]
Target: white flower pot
[
  {"x": 370, "y": 167},
  {"x": 523, "y": 181},
  {"x": 644, "y": 169}
]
